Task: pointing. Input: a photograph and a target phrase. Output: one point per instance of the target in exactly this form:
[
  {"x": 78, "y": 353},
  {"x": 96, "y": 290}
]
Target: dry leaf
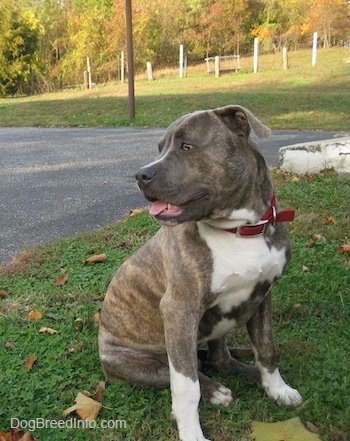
[
  {"x": 3, "y": 293},
  {"x": 305, "y": 269},
  {"x": 289, "y": 430},
  {"x": 135, "y": 212},
  {"x": 345, "y": 248},
  {"x": 143, "y": 233},
  {"x": 61, "y": 280},
  {"x": 98, "y": 258},
  {"x": 44, "y": 329},
  {"x": 35, "y": 314},
  {"x": 16, "y": 435},
  {"x": 312, "y": 427},
  {"x": 329, "y": 220},
  {"x": 85, "y": 407},
  {"x": 319, "y": 237},
  {"x": 295, "y": 179},
  {"x": 9, "y": 345},
  {"x": 30, "y": 361},
  {"x": 99, "y": 391}
]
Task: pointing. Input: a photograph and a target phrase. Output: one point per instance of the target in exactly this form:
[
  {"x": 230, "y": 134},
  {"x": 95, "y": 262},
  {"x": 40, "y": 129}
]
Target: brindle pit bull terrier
[{"x": 207, "y": 271}]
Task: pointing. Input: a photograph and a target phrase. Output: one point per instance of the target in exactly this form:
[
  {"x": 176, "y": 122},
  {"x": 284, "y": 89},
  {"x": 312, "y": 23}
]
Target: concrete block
[{"x": 311, "y": 157}]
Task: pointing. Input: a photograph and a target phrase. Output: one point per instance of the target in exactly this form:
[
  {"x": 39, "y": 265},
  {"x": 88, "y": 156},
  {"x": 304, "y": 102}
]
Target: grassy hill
[{"x": 302, "y": 97}]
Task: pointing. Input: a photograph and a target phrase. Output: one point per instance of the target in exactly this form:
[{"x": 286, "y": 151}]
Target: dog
[{"x": 208, "y": 270}]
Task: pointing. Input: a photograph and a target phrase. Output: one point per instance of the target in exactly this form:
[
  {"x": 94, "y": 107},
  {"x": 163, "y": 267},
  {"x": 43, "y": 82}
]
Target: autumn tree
[
  {"x": 281, "y": 24},
  {"x": 330, "y": 18}
]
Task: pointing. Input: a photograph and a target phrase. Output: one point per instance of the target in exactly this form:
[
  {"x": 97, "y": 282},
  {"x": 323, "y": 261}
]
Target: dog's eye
[{"x": 186, "y": 147}]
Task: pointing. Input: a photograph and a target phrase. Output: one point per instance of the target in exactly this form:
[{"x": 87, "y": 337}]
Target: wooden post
[
  {"x": 217, "y": 66},
  {"x": 88, "y": 71},
  {"x": 181, "y": 73},
  {"x": 149, "y": 71},
  {"x": 130, "y": 50},
  {"x": 285, "y": 58},
  {"x": 314, "y": 49},
  {"x": 256, "y": 55},
  {"x": 122, "y": 67},
  {"x": 86, "y": 79}
]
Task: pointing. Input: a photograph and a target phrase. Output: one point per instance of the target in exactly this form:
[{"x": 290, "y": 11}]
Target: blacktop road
[{"x": 56, "y": 183}]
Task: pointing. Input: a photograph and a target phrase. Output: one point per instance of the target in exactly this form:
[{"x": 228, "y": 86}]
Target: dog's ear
[{"x": 238, "y": 117}]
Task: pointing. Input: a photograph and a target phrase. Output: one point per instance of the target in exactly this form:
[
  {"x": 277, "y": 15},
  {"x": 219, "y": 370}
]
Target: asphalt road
[{"x": 57, "y": 183}]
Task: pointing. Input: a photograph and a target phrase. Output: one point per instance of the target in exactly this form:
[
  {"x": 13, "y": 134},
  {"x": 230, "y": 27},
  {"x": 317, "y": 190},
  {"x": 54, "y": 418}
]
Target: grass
[
  {"x": 311, "y": 318},
  {"x": 304, "y": 97}
]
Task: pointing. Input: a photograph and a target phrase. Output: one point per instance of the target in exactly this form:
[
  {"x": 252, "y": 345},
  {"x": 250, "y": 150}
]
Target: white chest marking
[{"x": 239, "y": 263}]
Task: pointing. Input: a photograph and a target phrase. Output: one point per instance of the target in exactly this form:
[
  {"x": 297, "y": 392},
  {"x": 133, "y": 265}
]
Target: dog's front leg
[
  {"x": 260, "y": 332},
  {"x": 181, "y": 329}
]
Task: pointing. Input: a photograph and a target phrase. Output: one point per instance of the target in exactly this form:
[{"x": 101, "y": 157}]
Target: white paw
[
  {"x": 278, "y": 390},
  {"x": 287, "y": 396},
  {"x": 223, "y": 396}
]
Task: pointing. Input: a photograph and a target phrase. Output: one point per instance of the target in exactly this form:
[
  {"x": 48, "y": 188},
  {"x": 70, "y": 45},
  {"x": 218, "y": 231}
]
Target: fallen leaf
[
  {"x": 311, "y": 244},
  {"x": 295, "y": 179},
  {"x": 16, "y": 435},
  {"x": 312, "y": 427},
  {"x": 345, "y": 248},
  {"x": 85, "y": 407},
  {"x": 305, "y": 269},
  {"x": 319, "y": 237},
  {"x": 61, "y": 280},
  {"x": 99, "y": 391},
  {"x": 30, "y": 361},
  {"x": 135, "y": 212},
  {"x": 44, "y": 329},
  {"x": 143, "y": 233},
  {"x": 35, "y": 314},
  {"x": 98, "y": 258},
  {"x": 289, "y": 430},
  {"x": 3, "y": 293},
  {"x": 329, "y": 220},
  {"x": 9, "y": 345}
]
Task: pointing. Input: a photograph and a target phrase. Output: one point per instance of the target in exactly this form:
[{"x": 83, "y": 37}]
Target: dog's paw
[
  {"x": 288, "y": 396},
  {"x": 222, "y": 395},
  {"x": 278, "y": 390}
]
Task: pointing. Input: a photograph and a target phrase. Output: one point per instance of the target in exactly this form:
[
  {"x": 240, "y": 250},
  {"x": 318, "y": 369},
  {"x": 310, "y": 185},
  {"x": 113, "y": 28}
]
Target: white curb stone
[{"x": 311, "y": 157}]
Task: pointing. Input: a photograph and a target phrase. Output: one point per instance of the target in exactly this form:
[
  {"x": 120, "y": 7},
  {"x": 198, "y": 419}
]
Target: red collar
[{"x": 270, "y": 218}]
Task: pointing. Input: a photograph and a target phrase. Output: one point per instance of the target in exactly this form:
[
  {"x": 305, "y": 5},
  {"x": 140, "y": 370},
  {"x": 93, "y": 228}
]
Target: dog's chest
[{"x": 240, "y": 266}]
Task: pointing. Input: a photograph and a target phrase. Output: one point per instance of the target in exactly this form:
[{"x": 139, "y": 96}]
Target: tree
[
  {"x": 282, "y": 23},
  {"x": 330, "y": 18},
  {"x": 19, "y": 41}
]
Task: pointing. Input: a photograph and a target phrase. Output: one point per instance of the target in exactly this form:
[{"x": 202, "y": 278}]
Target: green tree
[{"x": 19, "y": 40}]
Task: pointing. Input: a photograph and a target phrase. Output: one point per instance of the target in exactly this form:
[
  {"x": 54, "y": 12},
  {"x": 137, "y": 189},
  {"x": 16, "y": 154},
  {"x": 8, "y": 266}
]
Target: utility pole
[{"x": 130, "y": 57}]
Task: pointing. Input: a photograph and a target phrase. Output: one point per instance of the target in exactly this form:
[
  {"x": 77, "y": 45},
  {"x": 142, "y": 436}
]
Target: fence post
[
  {"x": 86, "y": 79},
  {"x": 149, "y": 71},
  {"x": 314, "y": 49},
  {"x": 285, "y": 58},
  {"x": 181, "y": 74},
  {"x": 122, "y": 67},
  {"x": 217, "y": 66},
  {"x": 256, "y": 55},
  {"x": 88, "y": 71}
]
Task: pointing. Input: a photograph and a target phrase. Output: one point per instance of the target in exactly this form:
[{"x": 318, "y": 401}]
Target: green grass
[
  {"x": 304, "y": 97},
  {"x": 311, "y": 318}
]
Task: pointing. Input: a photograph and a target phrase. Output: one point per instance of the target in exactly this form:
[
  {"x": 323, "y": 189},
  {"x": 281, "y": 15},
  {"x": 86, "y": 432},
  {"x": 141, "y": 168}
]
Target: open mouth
[{"x": 166, "y": 210}]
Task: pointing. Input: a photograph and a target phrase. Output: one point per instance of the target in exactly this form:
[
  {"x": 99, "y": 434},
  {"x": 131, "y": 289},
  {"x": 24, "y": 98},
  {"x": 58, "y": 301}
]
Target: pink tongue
[{"x": 159, "y": 207}]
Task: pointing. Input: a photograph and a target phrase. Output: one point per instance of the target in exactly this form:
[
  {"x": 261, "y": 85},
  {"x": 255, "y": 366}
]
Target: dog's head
[{"x": 208, "y": 166}]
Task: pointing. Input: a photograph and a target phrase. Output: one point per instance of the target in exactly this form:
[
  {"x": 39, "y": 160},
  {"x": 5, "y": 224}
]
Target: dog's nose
[{"x": 145, "y": 175}]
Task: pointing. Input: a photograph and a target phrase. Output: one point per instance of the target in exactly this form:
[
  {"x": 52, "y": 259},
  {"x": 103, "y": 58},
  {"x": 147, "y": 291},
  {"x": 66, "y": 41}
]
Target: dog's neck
[{"x": 248, "y": 222}]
